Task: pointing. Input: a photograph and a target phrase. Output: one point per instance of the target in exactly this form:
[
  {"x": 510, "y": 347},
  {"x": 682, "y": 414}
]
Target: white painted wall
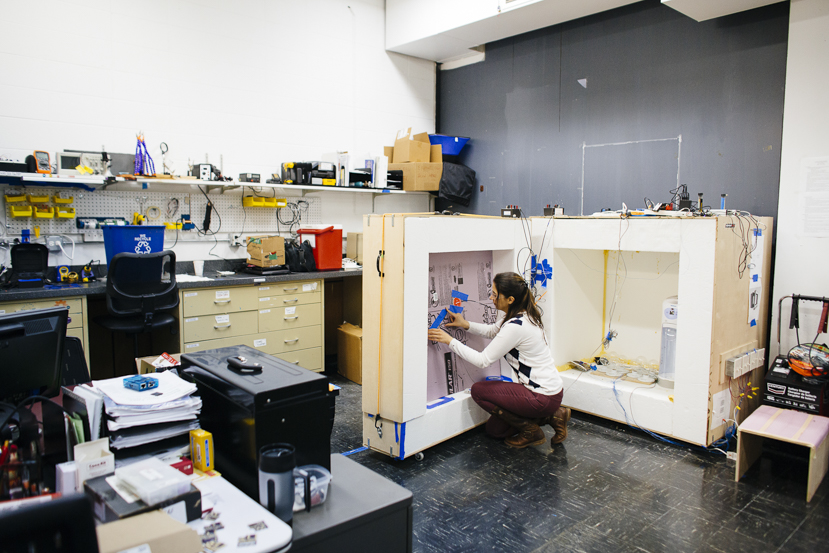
[
  {"x": 801, "y": 265},
  {"x": 257, "y": 82}
]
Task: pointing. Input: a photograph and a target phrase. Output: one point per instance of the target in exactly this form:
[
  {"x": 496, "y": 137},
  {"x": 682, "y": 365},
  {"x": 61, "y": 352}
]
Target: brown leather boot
[
  {"x": 529, "y": 433},
  {"x": 559, "y": 423}
]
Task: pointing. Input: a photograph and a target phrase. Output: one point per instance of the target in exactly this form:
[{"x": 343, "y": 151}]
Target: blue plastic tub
[
  {"x": 132, "y": 239},
  {"x": 452, "y": 145}
]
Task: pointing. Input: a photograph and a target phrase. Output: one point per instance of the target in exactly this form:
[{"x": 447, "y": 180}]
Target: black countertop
[{"x": 99, "y": 287}]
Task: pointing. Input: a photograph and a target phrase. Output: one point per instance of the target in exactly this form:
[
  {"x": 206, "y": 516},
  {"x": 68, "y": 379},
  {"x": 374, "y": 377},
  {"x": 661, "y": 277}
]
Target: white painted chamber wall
[
  {"x": 257, "y": 82},
  {"x": 801, "y": 265}
]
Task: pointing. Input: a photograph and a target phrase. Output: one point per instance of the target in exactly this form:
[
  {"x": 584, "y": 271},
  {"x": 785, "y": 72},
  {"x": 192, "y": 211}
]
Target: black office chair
[
  {"x": 63, "y": 524},
  {"x": 141, "y": 288},
  {"x": 74, "y": 370}
]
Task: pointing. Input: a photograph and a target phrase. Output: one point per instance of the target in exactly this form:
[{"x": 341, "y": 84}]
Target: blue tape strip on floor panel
[
  {"x": 396, "y": 437},
  {"x": 353, "y": 451},
  {"x": 445, "y": 400},
  {"x": 402, "y": 440}
]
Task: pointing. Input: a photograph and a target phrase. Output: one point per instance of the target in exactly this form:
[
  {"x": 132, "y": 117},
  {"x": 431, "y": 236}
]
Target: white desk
[{"x": 236, "y": 512}]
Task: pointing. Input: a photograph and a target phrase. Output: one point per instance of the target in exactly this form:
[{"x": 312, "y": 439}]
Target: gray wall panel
[{"x": 651, "y": 73}]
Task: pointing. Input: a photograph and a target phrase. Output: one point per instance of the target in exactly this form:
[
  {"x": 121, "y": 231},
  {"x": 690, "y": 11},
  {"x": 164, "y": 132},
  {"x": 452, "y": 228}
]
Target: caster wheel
[{"x": 419, "y": 456}]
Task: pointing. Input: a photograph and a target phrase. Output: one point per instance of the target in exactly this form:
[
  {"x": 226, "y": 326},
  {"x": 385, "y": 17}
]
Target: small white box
[
  {"x": 93, "y": 459},
  {"x": 66, "y": 478},
  {"x": 153, "y": 481}
]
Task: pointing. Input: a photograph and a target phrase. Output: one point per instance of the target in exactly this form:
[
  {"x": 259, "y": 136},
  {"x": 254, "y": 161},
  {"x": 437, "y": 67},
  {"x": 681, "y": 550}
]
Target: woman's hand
[
  {"x": 456, "y": 319},
  {"x": 438, "y": 335}
]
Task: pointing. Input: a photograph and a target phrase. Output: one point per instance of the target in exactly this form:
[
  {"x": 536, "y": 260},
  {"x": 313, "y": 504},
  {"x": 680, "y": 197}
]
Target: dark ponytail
[{"x": 511, "y": 284}]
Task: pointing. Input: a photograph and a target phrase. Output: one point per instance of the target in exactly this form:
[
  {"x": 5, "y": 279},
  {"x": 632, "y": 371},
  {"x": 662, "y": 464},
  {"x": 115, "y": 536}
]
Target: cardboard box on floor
[
  {"x": 350, "y": 352},
  {"x": 423, "y": 174},
  {"x": 266, "y": 251},
  {"x": 159, "y": 531},
  {"x": 354, "y": 246}
]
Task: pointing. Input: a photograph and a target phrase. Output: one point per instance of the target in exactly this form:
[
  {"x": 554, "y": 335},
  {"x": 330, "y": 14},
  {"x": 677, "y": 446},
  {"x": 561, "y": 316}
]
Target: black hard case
[{"x": 284, "y": 403}]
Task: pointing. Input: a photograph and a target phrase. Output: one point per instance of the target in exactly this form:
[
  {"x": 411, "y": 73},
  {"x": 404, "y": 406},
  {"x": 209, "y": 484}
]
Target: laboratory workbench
[{"x": 238, "y": 308}]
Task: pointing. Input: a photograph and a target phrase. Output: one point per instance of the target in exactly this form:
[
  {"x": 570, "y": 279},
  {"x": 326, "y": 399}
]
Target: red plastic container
[{"x": 327, "y": 242}]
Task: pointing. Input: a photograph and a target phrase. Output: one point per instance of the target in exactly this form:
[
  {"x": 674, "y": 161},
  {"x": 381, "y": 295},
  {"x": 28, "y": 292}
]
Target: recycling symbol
[{"x": 142, "y": 247}]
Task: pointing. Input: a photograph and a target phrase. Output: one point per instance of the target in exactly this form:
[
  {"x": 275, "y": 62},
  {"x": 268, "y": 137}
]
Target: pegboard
[{"x": 104, "y": 203}]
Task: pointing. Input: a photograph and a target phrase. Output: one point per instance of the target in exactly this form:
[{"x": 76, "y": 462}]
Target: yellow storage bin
[
  {"x": 59, "y": 200},
  {"x": 21, "y": 210},
  {"x": 65, "y": 212},
  {"x": 44, "y": 212},
  {"x": 38, "y": 199},
  {"x": 253, "y": 201},
  {"x": 15, "y": 197}
]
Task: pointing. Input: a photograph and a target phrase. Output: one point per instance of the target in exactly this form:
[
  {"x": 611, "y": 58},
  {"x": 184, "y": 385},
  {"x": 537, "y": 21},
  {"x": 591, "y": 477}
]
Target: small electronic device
[
  {"x": 555, "y": 210},
  {"x": 140, "y": 383},
  {"x": 249, "y": 177},
  {"x": 43, "y": 163},
  {"x": 511, "y": 211}
]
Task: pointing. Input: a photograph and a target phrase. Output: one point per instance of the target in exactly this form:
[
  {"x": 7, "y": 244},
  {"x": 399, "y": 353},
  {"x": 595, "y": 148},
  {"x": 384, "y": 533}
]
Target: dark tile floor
[{"x": 606, "y": 488}]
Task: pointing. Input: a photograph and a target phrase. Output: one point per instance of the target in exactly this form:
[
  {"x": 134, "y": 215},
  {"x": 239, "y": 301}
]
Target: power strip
[{"x": 745, "y": 362}]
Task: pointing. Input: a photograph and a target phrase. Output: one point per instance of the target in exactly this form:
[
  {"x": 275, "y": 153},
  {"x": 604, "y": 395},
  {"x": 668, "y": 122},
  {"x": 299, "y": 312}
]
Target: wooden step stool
[{"x": 785, "y": 425}]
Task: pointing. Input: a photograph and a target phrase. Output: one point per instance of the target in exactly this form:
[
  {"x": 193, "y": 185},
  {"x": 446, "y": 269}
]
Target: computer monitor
[{"x": 31, "y": 351}]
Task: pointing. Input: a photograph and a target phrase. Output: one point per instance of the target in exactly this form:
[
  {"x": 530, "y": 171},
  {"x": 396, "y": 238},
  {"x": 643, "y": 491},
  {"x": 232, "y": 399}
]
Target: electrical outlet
[
  {"x": 53, "y": 243},
  {"x": 236, "y": 240}
]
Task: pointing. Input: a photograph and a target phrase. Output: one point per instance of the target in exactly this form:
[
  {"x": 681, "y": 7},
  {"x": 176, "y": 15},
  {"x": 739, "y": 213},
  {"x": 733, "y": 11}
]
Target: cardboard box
[
  {"x": 354, "y": 246},
  {"x": 158, "y": 531},
  {"x": 201, "y": 449},
  {"x": 350, "y": 352},
  {"x": 411, "y": 149},
  {"x": 266, "y": 251},
  {"x": 145, "y": 365},
  {"x": 93, "y": 459},
  {"x": 110, "y": 504},
  {"x": 435, "y": 153},
  {"x": 419, "y": 177}
]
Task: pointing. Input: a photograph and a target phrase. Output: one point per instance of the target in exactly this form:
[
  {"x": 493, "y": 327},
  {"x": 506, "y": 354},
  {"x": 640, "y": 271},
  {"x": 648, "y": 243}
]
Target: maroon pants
[{"x": 515, "y": 398}]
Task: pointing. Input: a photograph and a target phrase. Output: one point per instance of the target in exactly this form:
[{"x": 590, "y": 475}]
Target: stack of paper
[{"x": 136, "y": 418}]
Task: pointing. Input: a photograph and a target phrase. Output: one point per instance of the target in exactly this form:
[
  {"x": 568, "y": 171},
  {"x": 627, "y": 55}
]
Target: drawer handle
[
  {"x": 295, "y": 362},
  {"x": 289, "y": 289},
  {"x": 290, "y": 301},
  {"x": 290, "y": 318},
  {"x": 290, "y": 341},
  {"x": 222, "y": 301},
  {"x": 217, "y": 327}
]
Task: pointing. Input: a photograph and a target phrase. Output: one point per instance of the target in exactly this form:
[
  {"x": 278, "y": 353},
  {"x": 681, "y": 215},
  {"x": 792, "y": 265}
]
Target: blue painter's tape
[
  {"x": 456, "y": 309},
  {"x": 396, "y": 437},
  {"x": 402, "y": 440},
  {"x": 758, "y": 232},
  {"x": 439, "y": 320},
  {"x": 386, "y": 191},
  {"x": 460, "y": 295},
  {"x": 755, "y": 278},
  {"x": 353, "y": 451},
  {"x": 443, "y": 401},
  {"x": 370, "y": 415},
  {"x": 753, "y": 322}
]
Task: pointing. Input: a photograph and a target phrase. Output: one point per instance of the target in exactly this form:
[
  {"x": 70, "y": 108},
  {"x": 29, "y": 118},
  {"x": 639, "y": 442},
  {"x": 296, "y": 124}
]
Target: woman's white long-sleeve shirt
[{"x": 523, "y": 345}]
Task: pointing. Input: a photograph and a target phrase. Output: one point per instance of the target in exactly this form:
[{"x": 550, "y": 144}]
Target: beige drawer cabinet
[
  {"x": 283, "y": 319},
  {"x": 77, "y": 326},
  {"x": 218, "y": 301}
]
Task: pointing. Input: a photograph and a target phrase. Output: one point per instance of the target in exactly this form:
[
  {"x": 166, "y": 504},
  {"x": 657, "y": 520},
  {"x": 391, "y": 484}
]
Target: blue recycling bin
[{"x": 132, "y": 239}]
